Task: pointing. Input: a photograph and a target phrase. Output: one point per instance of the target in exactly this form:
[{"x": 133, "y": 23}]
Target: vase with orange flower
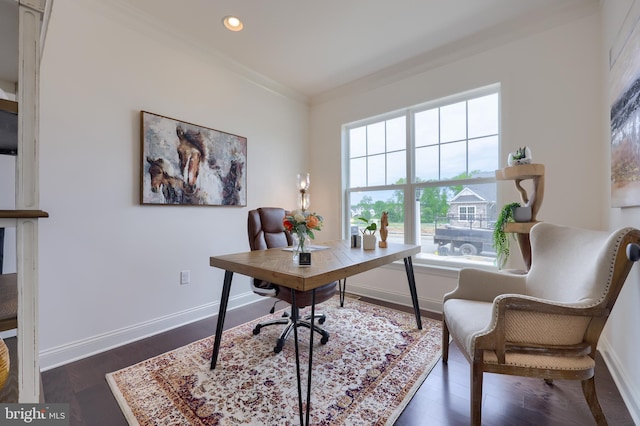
[{"x": 301, "y": 225}]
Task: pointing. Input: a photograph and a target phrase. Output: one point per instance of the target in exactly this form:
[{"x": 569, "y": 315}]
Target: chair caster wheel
[
  {"x": 322, "y": 320},
  {"x": 277, "y": 349},
  {"x": 324, "y": 340},
  {"x": 256, "y": 331}
]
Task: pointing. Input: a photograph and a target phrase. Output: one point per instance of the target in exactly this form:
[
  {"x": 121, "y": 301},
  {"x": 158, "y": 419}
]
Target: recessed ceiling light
[{"x": 232, "y": 23}]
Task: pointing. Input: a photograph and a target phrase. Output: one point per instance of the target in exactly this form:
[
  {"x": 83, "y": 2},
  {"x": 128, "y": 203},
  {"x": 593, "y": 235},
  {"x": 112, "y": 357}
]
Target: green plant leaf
[{"x": 500, "y": 239}]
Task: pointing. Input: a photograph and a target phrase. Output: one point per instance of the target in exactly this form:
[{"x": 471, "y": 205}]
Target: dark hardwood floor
[{"x": 443, "y": 398}]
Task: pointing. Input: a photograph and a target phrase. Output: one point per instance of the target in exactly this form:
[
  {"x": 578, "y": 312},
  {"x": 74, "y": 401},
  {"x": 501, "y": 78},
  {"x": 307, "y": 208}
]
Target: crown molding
[{"x": 474, "y": 44}]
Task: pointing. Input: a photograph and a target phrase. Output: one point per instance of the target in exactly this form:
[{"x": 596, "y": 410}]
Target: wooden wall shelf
[
  {"x": 523, "y": 171},
  {"x": 519, "y": 227},
  {"x": 22, "y": 214},
  {"x": 8, "y": 106},
  {"x": 519, "y": 173}
]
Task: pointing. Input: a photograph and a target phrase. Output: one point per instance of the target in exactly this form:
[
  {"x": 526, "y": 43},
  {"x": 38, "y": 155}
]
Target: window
[
  {"x": 432, "y": 168},
  {"x": 467, "y": 213}
]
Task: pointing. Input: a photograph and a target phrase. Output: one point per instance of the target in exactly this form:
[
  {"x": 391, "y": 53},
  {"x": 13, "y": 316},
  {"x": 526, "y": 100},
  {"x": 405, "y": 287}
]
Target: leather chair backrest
[{"x": 265, "y": 229}]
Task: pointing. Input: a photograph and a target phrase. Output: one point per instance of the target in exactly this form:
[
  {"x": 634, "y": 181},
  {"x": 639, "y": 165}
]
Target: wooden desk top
[{"x": 337, "y": 262}]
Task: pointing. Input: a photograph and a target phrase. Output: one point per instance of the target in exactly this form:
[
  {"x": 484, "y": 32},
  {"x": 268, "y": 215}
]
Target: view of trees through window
[{"x": 432, "y": 168}]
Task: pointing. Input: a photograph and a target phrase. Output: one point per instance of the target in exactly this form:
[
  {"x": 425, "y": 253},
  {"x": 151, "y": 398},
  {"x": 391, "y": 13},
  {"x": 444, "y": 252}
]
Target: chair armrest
[
  {"x": 485, "y": 286},
  {"x": 541, "y": 313},
  {"x": 520, "y": 302}
]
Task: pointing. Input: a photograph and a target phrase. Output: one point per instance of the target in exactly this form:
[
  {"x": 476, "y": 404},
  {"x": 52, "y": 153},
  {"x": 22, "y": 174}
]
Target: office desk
[{"x": 336, "y": 263}]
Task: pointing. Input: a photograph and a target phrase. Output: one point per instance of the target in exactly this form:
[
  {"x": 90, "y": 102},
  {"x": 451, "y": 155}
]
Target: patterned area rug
[{"x": 374, "y": 362}]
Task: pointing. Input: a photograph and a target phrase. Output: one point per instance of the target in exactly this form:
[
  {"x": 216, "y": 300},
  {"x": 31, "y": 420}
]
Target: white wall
[
  {"x": 620, "y": 342},
  {"x": 109, "y": 267},
  {"x": 550, "y": 85}
]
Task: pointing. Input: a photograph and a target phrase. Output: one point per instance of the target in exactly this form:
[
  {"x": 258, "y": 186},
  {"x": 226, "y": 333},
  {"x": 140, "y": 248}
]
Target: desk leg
[
  {"x": 304, "y": 419},
  {"x": 294, "y": 315},
  {"x": 408, "y": 266},
  {"x": 311, "y": 333},
  {"x": 224, "y": 300},
  {"x": 342, "y": 288}
]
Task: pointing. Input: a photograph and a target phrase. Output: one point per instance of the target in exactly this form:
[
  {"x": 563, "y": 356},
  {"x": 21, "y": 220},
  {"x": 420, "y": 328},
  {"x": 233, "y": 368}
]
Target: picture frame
[
  {"x": 624, "y": 88},
  {"x": 187, "y": 164}
]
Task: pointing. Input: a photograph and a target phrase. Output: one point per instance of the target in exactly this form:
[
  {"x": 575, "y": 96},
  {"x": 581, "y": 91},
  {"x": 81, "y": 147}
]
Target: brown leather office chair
[{"x": 265, "y": 230}]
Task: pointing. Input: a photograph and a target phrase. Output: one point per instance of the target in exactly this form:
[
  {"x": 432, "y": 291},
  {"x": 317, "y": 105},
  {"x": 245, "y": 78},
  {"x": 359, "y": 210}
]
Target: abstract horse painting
[
  {"x": 171, "y": 187},
  {"x": 187, "y": 164},
  {"x": 191, "y": 151}
]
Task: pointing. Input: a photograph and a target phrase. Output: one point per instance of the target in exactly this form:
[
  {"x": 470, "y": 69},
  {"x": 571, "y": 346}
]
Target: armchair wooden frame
[{"x": 495, "y": 342}]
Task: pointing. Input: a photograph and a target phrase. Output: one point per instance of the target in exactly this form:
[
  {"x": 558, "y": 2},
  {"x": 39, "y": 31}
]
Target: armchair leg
[
  {"x": 445, "y": 341},
  {"x": 589, "y": 391},
  {"x": 476, "y": 390}
]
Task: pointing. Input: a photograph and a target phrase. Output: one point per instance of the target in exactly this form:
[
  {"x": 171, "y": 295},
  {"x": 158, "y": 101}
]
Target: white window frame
[{"x": 412, "y": 220}]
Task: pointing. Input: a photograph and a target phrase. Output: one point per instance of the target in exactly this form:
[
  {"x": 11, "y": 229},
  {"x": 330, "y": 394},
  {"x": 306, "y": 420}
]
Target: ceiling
[
  {"x": 312, "y": 47},
  {"x": 315, "y": 46}
]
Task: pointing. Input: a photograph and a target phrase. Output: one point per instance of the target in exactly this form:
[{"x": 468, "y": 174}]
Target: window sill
[
  {"x": 444, "y": 268},
  {"x": 454, "y": 262}
]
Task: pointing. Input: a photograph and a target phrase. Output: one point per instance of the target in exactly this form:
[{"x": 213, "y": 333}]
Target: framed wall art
[
  {"x": 624, "y": 92},
  {"x": 187, "y": 164}
]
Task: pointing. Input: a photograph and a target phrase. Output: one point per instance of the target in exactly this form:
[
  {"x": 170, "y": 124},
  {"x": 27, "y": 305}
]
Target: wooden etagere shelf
[
  {"x": 519, "y": 173},
  {"x": 8, "y": 106},
  {"x": 519, "y": 227},
  {"x": 22, "y": 214},
  {"x": 523, "y": 171}
]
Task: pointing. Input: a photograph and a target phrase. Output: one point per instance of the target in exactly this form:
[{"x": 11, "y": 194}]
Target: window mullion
[{"x": 410, "y": 213}]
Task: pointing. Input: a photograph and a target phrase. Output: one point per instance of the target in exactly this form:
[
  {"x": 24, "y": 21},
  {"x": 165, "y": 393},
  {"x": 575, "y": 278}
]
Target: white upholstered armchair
[{"x": 547, "y": 322}]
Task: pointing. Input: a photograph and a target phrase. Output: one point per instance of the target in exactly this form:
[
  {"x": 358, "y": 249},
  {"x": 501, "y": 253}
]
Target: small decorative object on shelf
[
  {"x": 521, "y": 156},
  {"x": 356, "y": 239},
  {"x": 368, "y": 234},
  {"x": 384, "y": 223},
  {"x": 522, "y": 214}
]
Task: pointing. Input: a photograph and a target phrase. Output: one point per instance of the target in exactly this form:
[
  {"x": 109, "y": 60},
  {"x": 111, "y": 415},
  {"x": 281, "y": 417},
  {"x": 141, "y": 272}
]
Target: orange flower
[
  {"x": 287, "y": 224},
  {"x": 312, "y": 222}
]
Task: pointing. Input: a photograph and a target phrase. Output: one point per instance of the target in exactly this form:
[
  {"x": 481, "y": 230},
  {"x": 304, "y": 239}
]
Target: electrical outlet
[{"x": 185, "y": 277}]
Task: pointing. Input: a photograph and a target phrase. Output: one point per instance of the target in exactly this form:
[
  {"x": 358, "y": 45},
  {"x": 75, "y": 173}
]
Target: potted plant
[
  {"x": 368, "y": 234},
  {"x": 501, "y": 240},
  {"x": 520, "y": 156}
]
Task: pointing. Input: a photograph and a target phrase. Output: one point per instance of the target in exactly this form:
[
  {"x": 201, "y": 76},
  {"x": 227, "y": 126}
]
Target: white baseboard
[
  {"x": 431, "y": 305},
  {"x": 70, "y": 352},
  {"x": 629, "y": 391},
  {"x": 80, "y": 349}
]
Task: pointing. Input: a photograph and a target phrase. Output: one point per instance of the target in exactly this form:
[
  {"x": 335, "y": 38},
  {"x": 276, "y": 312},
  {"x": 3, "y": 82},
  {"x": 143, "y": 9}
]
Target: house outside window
[{"x": 432, "y": 168}]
